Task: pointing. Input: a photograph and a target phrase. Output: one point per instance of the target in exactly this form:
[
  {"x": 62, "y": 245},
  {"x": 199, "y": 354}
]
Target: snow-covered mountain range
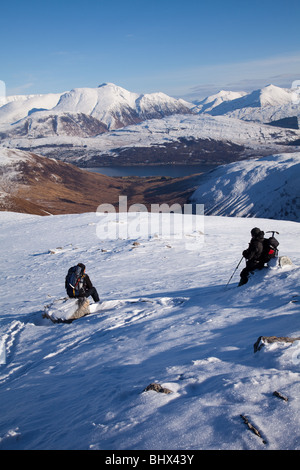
[
  {"x": 117, "y": 107},
  {"x": 268, "y": 104},
  {"x": 104, "y": 108},
  {"x": 87, "y": 124},
  {"x": 210, "y": 102}
]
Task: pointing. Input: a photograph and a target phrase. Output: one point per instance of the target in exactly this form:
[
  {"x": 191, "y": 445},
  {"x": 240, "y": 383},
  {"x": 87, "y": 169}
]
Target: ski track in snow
[{"x": 165, "y": 315}]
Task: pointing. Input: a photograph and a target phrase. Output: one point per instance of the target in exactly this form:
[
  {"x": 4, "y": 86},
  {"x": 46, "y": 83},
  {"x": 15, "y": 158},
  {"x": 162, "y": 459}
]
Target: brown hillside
[{"x": 39, "y": 185}]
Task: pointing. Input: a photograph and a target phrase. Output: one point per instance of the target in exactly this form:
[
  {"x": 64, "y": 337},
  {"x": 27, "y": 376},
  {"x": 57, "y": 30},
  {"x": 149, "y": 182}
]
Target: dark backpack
[
  {"x": 270, "y": 249},
  {"x": 74, "y": 281}
]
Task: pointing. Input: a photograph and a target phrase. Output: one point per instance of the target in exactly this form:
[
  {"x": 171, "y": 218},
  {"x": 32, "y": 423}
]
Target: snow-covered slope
[
  {"x": 261, "y": 187},
  {"x": 117, "y": 107},
  {"x": 167, "y": 317},
  {"x": 267, "y": 96},
  {"x": 173, "y": 128},
  {"x": 215, "y": 100},
  {"x": 268, "y": 104},
  {"x": 14, "y": 108}
]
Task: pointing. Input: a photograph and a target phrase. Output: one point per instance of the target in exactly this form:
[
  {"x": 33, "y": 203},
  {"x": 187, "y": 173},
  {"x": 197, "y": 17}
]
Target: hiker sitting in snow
[
  {"x": 78, "y": 283},
  {"x": 253, "y": 255}
]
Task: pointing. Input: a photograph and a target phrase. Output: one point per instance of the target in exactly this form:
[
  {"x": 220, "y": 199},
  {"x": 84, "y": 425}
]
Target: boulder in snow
[
  {"x": 66, "y": 310},
  {"x": 157, "y": 388},
  {"x": 262, "y": 340},
  {"x": 284, "y": 261}
]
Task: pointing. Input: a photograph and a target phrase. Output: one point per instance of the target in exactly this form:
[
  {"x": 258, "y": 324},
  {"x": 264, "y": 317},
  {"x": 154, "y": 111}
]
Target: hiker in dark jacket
[
  {"x": 253, "y": 255},
  {"x": 86, "y": 287}
]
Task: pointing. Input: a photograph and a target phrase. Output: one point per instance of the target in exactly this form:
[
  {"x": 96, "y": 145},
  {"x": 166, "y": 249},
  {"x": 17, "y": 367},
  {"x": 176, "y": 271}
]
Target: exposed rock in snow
[
  {"x": 157, "y": 388},
  {"x": 66, "y": 310},
  {"x": 262, "y": 340}
]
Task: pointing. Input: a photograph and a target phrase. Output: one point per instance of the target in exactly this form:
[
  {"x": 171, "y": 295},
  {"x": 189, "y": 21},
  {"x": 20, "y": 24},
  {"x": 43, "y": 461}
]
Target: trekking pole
[
  {"x": 234, "y": 271},
  {"x": 273, "y": 231}
]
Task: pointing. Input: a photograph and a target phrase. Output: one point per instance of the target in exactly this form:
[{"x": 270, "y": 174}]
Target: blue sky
[{"x": 182, "y": 48}]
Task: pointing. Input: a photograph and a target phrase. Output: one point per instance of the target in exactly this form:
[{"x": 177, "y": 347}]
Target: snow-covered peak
[
  {"x": 223, "y": 95},
  {"x": 108, "y": 97},
  {"x": 268, "y": 96},
  {"x": 95, "y": 101},
  {"x": 215, "y": 100},
  {"x": 265, "y": 104},
  {"x": 110, "y": 104},
  {"x": 275, "y": 96}
]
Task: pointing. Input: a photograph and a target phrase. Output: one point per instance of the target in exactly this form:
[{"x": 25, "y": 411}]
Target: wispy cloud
[
  {"x": 241, "y": 76},
  {"x": 59, "y": 53},
  {"x": 20, "y": 89}
]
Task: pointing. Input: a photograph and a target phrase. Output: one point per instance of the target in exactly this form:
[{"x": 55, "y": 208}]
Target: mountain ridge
[
  {"x": 113, "y": 106},
  {"x": 86, "y": 124},
  {"x": 265, "y": 105},
  {"x": 109, "y": 98}
]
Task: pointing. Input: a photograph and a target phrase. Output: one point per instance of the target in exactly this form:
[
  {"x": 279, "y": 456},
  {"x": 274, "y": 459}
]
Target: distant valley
[
  {"x": 34, "y": 184},
  {"x": 45, "y": 138}
]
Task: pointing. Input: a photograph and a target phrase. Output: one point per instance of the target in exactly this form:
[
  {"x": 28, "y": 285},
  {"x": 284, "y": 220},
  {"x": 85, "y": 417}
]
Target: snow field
[{"x": 166, "y": 316}]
